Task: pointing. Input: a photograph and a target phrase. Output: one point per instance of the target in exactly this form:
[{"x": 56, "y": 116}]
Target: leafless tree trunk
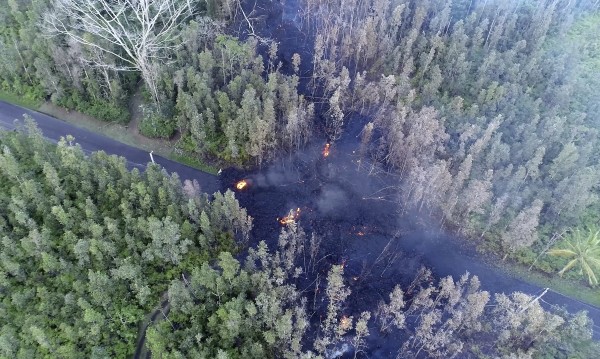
[
  {"x": 22, "y": 61},
  {"x": 137, "y": 33}
]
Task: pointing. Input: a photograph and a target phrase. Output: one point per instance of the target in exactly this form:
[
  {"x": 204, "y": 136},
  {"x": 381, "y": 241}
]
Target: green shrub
[
  {"x": 187, "y": 144},
  {"x": 525, "y": 256},
  {"x": 106, "y": 111},
  {"x": 19, "y": 99},
  {"x": 102, "y": 110},
  {"x": 22, "y": 94}
]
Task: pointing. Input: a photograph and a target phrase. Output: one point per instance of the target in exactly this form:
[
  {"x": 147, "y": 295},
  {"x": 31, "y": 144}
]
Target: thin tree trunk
[{"x": 22, "y": 61}]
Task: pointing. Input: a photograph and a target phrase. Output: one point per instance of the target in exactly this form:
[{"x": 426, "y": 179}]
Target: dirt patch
[{"x": 136, "y": 113}]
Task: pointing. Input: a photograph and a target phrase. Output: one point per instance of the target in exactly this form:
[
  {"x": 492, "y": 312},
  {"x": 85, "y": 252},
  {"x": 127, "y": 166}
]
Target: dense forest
[
  {"x": 485, "y": 110},
  {"x": 89, "y": 249},
  {"x": 213, "y": 89},
  {"x": 89, "y": 246},
  {"x": 484, "y": 113}
]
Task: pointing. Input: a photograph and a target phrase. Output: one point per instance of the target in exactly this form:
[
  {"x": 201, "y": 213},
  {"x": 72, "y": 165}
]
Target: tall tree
[
  {"x": 522, "y": 231},
  {"x": 139, "y": 33}
]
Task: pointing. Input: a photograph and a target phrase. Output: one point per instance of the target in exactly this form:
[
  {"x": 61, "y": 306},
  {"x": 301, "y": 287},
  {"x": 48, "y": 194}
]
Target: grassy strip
[
  {"x": 120, "y": 133},
  {"x": 564, "y": 286},
  {"x": 22, "y": 101},
  {"x": 192, "y": 162},
  {"x": 569, "y": 286},
  {"x": 113, "y": 130}
]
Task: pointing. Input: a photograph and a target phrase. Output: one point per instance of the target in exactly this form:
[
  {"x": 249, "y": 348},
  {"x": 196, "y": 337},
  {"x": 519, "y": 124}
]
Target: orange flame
[
  {"x": 241, "y": 185},
  {"x": 345, "y": 323},
  {"x": 292, "y": 217},
  {"x": 326, "y": 150},
  {"x": 360, "y": 231}
]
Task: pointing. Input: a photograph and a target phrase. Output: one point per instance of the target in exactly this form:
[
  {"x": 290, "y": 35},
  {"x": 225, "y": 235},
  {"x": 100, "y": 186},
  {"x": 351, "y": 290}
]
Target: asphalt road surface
[
  {"x": 453, "y": 260},
  {"x": 445, "y": 257},
  {"x": 54, "y": 129}
]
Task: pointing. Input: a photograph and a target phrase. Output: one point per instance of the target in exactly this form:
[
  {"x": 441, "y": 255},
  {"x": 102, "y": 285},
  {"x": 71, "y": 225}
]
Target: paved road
[
  {"x": 445, "y": 257},
  {"x": 53, "y": 129},
  {"x": 453, "y": 262}
]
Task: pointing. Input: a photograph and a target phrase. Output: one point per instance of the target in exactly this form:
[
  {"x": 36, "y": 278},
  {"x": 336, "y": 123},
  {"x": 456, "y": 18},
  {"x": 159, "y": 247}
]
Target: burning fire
[
  {"x": 292, "y": 217},
  {"x": 345, "y": 323},
  {"x": 326, "y": 150},
  {"x": 359, "y": 231},
  {"x": 241, "y": 185}
]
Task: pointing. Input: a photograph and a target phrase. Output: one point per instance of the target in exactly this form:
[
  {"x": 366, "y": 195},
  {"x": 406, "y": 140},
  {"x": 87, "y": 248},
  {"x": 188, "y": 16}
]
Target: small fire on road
[{"x": 241, "y": 185}]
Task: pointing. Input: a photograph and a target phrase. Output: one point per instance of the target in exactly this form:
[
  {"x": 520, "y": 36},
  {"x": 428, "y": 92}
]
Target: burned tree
[{"x": 137, "y": 33}]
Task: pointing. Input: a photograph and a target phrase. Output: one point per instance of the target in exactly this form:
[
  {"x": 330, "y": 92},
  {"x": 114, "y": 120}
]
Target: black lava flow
[
  {"x": 334, "y": 201},
  {"x": 356, "y": 212},
  {"x": 353, "y": 211}
]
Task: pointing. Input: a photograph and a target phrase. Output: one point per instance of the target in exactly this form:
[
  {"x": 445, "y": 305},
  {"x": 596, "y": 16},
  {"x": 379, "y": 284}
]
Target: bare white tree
[{"x": 139, "y": 33}]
